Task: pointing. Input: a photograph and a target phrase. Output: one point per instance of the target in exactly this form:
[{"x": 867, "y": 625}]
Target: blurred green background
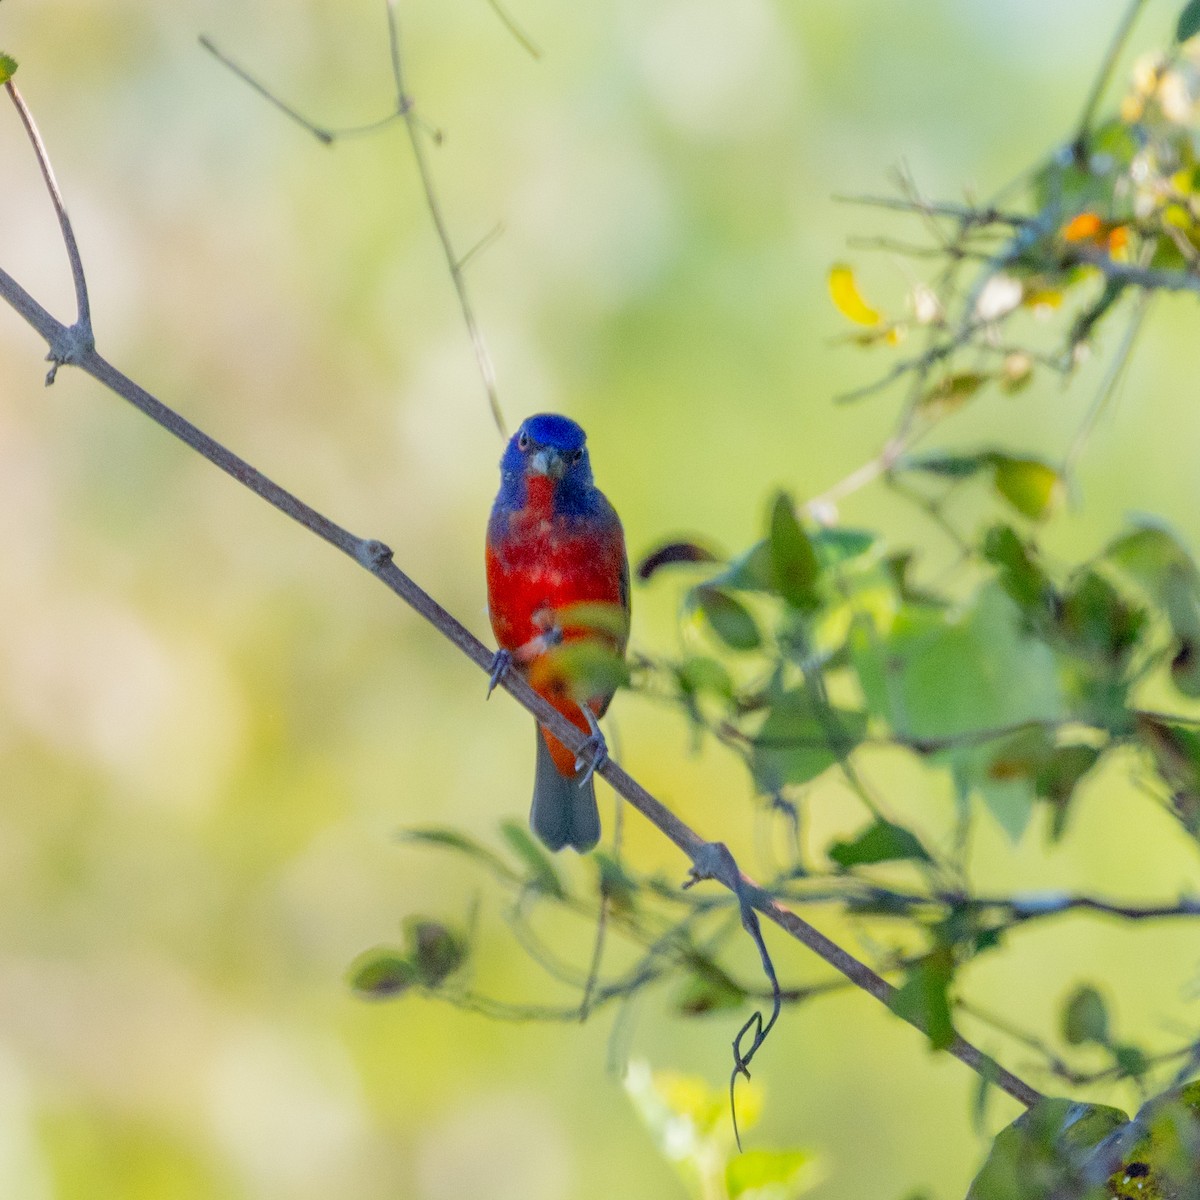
[{"x": 211, "y": 725}]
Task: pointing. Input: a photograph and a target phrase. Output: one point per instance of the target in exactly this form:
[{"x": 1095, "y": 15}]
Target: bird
[{"x": 557, "y": 575}]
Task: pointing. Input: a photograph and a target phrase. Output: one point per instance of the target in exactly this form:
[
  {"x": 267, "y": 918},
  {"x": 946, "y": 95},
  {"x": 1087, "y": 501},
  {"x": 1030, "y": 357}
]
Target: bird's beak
[{"x": 548, "y": 462}]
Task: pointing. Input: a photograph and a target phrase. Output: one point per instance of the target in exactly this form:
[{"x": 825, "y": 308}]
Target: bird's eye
[
  {"x": 523, "y": 442},
  {"x": 577, "y": 456}
]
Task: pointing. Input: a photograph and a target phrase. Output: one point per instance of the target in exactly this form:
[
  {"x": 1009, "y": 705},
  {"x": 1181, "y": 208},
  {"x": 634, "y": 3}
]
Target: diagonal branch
[{"x": 375, "y": 557}]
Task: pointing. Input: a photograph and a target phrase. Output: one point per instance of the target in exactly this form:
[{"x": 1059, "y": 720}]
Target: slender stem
[
  {"x": 483, "y": 356},
  {"x": 1112, "y": 378},
  {"x": 959, "y": 212},
  {"x": 1120, "y": 37},
  {"x": 417, "y": 130},
  {"x": 530, "y": 46},
  {"x": 83, "y": 316}
]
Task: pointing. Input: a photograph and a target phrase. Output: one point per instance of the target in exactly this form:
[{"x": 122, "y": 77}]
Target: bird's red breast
[{"x": 539, "y": 563}]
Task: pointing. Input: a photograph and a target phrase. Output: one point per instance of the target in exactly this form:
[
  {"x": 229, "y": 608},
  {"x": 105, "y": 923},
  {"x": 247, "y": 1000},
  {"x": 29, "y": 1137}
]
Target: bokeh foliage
[
  {"x": 218, "y": 902},
  {"x": 1012, "y": 673}
]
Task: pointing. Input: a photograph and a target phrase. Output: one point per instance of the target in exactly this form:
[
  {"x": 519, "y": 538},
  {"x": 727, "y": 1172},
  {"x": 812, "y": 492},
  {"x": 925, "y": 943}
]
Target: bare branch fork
[{"x": 710, "y": 860}]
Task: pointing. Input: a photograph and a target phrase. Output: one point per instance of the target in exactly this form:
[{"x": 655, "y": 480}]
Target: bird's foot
[
  {"x": 594, "y": 752},
  {"x": 500, "y": 666}
]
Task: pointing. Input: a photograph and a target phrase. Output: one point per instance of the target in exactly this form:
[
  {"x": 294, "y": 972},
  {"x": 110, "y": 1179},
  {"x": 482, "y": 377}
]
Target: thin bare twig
[
  {"x": 1155, "y": 279},
  {"x": 79, "y": 336},
  {"x": 533, "y": 49},
  {"x": 960, "y": 212},
  {"x": 417, "y": 130},
  {"x": 322, "y": 133},
  {"x": 1108, "y": 387},
  {"x": 1120, "y": 37},
  {"x": 483, "y": 357}
]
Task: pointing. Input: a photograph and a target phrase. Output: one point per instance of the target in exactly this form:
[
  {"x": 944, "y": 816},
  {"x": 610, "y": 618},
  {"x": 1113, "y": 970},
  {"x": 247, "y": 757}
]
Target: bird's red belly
[{"x": 536, "y": 572}]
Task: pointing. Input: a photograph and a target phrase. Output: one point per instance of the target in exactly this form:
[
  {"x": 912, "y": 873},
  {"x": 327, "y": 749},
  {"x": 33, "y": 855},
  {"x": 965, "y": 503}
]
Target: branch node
[
  {"x": 714, "y": 861},
  {"x": 373, "y": 554},
  {"x": 69, "y": 347}
]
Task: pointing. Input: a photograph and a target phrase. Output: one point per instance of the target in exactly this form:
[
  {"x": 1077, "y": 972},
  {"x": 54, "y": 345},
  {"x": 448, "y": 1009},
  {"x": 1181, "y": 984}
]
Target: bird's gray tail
[{"x": 563, "y": 813}]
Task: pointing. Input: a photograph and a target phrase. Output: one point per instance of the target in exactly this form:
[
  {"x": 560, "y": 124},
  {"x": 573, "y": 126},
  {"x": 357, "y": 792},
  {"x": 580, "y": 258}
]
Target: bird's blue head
[{"x": 550, "y": 447}]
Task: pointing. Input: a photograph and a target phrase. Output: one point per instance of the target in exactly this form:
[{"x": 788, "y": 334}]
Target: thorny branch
[{"x": 376, "y": 558}]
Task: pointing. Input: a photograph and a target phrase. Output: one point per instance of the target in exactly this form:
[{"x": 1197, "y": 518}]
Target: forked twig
[
  {"x": 417, "y": 130},
  {"x": 78, "y": 337}
]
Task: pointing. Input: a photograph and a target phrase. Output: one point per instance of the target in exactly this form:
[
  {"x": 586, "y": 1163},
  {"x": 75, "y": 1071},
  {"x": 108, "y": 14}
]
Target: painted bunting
[{"x": 558, "y": 582}]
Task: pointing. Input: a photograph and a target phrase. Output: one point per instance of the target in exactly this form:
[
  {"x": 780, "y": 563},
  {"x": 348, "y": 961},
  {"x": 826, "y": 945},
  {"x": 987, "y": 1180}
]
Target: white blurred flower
[{"x": 1001, "y": 294}]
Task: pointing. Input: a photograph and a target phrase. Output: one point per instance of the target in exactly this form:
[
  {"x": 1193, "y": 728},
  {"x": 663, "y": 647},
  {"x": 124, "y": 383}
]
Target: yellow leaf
[
  {"x": 1043, "y": 299},
  {"x": 953, "y": 390},
  {"x": 1032, "y": 487},
  {"x": 843, "y": 289}
]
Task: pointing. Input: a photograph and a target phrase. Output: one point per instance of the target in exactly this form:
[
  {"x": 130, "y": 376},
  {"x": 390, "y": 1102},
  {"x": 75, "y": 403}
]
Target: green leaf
[
  {"x": 1132, "y": 1060},
  {"x": 701, "y": 674},
  {"x": 1185, "y": 668},
  {"x": 730, "y": 620},
  {"x": 922, "y": 1000},
  {"x": 939, "y": 675},
  {"x": 708, "y": 989},
  {"x": 1085, "y": 1018},
  {"x": 1057, "y": 778},
  {"x": 1152, "y": 553},
  {"x": 1160, "y": 563},
  {"x": 800, "y": 738},
  {"x": 541, "y": 872},
  {"x": 451, "y": 839},
  {"x": 1099, "y": 623},
  {"x": 898, "y": 567},
  {"x": 8, "y": 68},
  {"x": 770, "y": 1174},
  {"x": 750, "y": 571},
  {"x": 836, "y": 546},
  {"x": 1040, "y": 1154},
  {"x": 950, "y": 466},
  {"x": 381, "y": 974},
  {"x": 794, "y": 562},
  {"x": 1176, "y": 752},
  {"x": 1175, "y": 749},
  {"x": 881, "y": 842},
  {"x": 1018, "y": 570},
  {"x": 589, "y": 668},
  {"x": 1189, "y": 21},
  {"x": 436, "y": 952},
  {"x": 1032, "y": 487},
  {"x": 616, "y": 885},
  {"x": 592, "y": 617}
]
